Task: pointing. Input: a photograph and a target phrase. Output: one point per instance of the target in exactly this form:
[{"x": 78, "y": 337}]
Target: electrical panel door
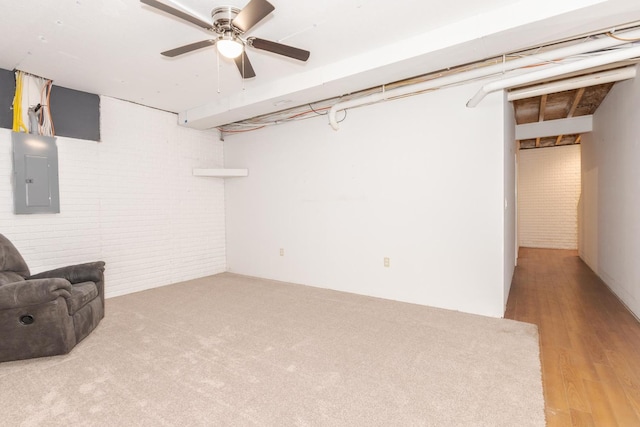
[
  {"x": 37, "y": 181},
  {"x": 35, "y": 174}
]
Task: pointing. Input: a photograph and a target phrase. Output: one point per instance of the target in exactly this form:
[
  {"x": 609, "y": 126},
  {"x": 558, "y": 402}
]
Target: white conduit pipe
[
  {"x": 558, "y": 70},
  {"x": 574, "y": 83},
  {"x": 576, "y": 49}
]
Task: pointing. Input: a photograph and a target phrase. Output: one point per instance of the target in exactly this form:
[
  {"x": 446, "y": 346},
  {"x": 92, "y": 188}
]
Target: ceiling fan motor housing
[{"x": 222, "y": 17}]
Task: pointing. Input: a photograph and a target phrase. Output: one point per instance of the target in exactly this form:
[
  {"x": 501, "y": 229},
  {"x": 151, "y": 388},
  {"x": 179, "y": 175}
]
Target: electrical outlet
[
  {"x": 387, "y": 262},
  {"x": 281, "y": 251}
]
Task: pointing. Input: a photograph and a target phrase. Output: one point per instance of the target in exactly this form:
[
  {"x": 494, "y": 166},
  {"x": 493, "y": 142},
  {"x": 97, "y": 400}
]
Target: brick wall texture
[
  {"x": 548, "y": 196},
  {"x": 130, "y": 200}
]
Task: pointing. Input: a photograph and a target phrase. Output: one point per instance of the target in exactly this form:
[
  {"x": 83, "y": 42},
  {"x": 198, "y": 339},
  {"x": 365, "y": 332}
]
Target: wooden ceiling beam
[
  {"x": 541, "y": 108},
  {"x": 576, "y": 101},
  {"x": 543, "y": 105},
  {"x": 572, "y": 111}
]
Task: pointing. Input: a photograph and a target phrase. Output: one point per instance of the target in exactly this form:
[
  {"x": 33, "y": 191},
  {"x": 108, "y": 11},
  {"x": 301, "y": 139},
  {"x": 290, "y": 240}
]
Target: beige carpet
[{"x": 229, "y": 350}]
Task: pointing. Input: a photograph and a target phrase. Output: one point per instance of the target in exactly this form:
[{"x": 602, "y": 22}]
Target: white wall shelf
[{"x": 221, "y": 173}]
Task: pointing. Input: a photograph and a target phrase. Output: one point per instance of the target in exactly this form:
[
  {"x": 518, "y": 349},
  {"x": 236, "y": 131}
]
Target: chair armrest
[
  {"x": 88, "y": 272},
  {"x": 32, "y": 292}
]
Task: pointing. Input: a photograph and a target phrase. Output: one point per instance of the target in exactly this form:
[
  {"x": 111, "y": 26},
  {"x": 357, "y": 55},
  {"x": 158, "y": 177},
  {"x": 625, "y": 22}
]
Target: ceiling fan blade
[
  {"x": 280, "y": 49},
  {"x": 178, "y": 13},
  {"x": 244, "y": 66},
  {"x": 254, "y": 12},
  {"x": 188, "y": 48}
]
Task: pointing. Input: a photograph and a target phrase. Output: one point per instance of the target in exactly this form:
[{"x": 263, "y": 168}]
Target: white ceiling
[{"x": 112, "y": 47}]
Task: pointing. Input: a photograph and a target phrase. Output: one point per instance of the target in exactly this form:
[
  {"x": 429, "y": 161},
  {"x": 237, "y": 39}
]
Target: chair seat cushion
[{"x": 81, "y": 294}]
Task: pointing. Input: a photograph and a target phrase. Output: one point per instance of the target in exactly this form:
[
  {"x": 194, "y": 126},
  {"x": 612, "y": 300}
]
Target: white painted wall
[
  {"x": 610, "y": 226},
  {"x": 548, "y": 195},
  {"x": 129, "y": 200},
  {"x": 418, "y": 180},
  {"x": 509, "y": 183}
]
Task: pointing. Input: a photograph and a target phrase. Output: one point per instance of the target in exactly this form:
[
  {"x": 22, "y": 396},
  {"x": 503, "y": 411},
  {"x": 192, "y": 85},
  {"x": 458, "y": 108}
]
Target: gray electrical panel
[{"x": 35, "y": 174}]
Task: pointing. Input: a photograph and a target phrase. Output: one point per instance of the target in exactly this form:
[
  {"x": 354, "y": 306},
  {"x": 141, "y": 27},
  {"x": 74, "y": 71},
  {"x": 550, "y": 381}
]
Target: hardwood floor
[{"x": 589, "y": 341}]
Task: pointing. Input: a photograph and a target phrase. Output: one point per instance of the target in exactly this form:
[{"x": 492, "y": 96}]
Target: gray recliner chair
[{"x": 48, "y": 313}]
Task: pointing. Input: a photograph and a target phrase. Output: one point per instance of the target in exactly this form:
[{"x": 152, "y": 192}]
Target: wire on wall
[
  {"x": 18, "y": 123},
  {"x": 321, "y": 108},
  {"x": 31, "y": 112}
]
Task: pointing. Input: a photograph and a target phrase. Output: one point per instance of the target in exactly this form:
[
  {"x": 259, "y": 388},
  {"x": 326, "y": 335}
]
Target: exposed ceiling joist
[
  {"x": 572, "y": 111},
  {"x": 541, "y": 110},
  {"x": 568, "y": 104},
  {"x": 576, "y": 101}
]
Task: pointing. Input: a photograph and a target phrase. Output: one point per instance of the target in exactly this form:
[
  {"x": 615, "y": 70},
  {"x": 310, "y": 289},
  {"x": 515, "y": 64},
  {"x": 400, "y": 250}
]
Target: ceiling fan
[{"x": 229, "y": 25}]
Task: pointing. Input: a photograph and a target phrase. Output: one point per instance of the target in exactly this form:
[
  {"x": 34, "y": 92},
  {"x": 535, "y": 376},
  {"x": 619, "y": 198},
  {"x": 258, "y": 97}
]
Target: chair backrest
[{"x": 11, "y": 260}]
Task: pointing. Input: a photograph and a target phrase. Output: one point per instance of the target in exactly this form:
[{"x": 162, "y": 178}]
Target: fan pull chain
[
  {"x": 243, "y": 74},
  {"x": 218, "y": 68}
]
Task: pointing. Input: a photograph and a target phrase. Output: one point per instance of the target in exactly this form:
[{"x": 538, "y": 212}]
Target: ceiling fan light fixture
[
  {"x": 229, "y": 46},
  {"x": 228, "y": 25}
]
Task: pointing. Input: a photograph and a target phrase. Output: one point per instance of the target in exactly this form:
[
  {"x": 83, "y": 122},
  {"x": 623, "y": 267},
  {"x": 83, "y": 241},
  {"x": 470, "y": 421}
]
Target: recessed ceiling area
[
  {"x": 112, "y": 47},
  {"x": 561, "y": 105},
  {"x": 580, "y": 101}
]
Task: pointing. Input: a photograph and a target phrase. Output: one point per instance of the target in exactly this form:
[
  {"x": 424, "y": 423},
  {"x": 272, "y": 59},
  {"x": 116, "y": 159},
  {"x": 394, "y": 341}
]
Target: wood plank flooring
[{"x": 589, "y": 341}]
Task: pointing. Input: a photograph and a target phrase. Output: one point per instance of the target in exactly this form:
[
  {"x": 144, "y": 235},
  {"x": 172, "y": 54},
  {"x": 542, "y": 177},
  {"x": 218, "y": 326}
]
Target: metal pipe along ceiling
[
  {"x": 559, "y": 70},
  {"x": 574, "y": 83},
  {"x": 603, "y": 42}
]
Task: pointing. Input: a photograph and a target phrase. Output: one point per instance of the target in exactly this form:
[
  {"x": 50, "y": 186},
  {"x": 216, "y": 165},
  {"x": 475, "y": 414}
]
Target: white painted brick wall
[
  {"x": 53, "y": 240},
  {"x": 130, "y": 200},
  {"x": 548, "y": 195}
]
